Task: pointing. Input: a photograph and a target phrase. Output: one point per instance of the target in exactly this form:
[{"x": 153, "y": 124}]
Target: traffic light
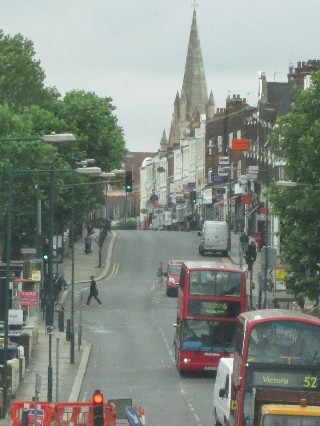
[
  {"x": 128, "y": 182},
  {"x": 193, "y": 198},
  {"x": 98, "y": 414},
  {"x": 45, "y": 253}
]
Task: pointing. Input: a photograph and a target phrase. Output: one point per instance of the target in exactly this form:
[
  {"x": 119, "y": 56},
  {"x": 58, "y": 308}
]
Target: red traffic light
[{"x": 98, "y": 398}]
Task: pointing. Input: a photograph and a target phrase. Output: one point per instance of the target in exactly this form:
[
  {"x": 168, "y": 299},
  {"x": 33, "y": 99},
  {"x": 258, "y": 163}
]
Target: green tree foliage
[
  {"x": 21, "y": 76},
  {"x": 98, "y": 133},
  {"x": 297, "y": 140},
  {"x": 27, "y": 109}
]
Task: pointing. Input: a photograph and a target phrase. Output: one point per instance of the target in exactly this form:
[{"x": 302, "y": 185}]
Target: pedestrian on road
[
  {"x": 94, "y": 293},
  {"x": 160, "y": 274}
]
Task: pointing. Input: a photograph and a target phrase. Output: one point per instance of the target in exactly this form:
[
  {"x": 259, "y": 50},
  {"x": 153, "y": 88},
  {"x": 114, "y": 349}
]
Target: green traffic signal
[
  {"x": 128, "y": 182},
  {"x": 45, "y": 257},
  {"x": 193, "y": 197}
]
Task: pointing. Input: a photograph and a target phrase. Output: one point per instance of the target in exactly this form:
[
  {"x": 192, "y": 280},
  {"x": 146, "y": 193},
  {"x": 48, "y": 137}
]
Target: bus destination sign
[
  {"x": 209, "y": 308},
  {"x": 290, "y": 380}
]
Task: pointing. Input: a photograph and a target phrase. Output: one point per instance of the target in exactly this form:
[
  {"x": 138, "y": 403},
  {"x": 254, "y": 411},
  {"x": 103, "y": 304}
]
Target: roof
[
  {"x": 221, "y": 264},
  {"x": 277, "y": 314},
  {"x": 176, "y": 262}
]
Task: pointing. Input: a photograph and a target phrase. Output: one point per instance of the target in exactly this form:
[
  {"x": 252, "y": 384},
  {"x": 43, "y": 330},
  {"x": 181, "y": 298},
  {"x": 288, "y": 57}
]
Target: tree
[
  {"x": 98, "y": 133},
  {"x": 21, "y": 76},
  {"x": 297, "y": 140}
]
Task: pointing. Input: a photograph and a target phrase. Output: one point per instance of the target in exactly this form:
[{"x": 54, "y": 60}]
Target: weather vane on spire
[{"x": 194, "y": 4}]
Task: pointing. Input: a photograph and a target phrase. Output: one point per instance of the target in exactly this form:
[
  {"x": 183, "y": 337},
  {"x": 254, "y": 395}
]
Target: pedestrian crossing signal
[{"x": 98, "y": 413}]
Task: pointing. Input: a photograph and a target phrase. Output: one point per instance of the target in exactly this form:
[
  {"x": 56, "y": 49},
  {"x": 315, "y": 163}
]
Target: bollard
[
  {"x": 79, "y": 336},
  {"x": 68, "y": 331},
  {"x": 25, "y": 418},
  {"x": 61, "y": 319}
]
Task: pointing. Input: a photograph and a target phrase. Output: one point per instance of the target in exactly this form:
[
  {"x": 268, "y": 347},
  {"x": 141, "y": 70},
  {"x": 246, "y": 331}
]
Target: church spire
[{"x": 194, "y": 82}]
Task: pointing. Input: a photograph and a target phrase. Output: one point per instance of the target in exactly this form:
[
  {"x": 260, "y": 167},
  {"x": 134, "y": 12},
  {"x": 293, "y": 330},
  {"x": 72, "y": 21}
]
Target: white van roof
[{"x": 227, "y": 361}]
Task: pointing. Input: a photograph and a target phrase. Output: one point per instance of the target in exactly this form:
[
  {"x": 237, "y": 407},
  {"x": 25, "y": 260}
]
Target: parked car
[{"x": 172, "y": 277}]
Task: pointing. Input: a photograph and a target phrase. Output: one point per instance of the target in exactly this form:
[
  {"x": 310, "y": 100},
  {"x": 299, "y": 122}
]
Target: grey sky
[{"x": 135, "y": 50}]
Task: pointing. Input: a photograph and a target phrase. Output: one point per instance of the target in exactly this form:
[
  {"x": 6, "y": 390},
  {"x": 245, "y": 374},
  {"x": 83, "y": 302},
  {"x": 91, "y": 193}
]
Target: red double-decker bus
[
  {"x": 276, "y": 362},
  {"x": 210, "y": 298}
]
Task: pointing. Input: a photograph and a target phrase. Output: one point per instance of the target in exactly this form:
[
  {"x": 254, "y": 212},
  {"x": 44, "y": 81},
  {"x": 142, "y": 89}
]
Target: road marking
[{"x": 115, "y": 269}]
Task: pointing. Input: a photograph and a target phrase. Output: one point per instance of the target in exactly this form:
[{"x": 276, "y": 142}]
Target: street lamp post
[
  {"x": 49, "y": 306},
  {"x": 53, "y": 138}
]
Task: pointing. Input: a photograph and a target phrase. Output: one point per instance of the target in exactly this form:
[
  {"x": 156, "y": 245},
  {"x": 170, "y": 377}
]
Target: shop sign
[
  {"x": 207, "y": 196},
  {"x": 222, "y": 171},
  {"x": 240, "y": 144},
  {"x": 224, "y": 161},
  {"x": 246, "y": 199},
  {"x": 28, "y": 298}
]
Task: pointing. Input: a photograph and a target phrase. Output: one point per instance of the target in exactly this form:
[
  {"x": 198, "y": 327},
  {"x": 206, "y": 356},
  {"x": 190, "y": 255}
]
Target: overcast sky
[{"x": 134, "y": 51}]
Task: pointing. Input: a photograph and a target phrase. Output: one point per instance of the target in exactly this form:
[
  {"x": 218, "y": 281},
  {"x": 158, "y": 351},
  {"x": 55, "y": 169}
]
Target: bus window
[
  {"x": 284, "y": 343},
  {"x": 208, "y": 335},
  {"x": 215, "y": 283}
]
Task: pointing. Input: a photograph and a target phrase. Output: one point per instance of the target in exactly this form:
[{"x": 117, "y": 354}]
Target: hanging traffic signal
[
  {"x": 97, "y": 402},
  {"x": 193, "y": 198},
  {"x": 128, "y": 182}
]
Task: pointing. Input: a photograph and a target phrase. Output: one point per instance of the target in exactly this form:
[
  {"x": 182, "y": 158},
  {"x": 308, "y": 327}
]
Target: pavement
[{"x": 67, "y": 377}]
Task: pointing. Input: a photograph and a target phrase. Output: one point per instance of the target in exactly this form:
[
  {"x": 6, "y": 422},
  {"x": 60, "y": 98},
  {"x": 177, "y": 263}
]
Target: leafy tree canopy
[
  {"x": 21, "y": 76},
  {"x": 297, "y": 140},
  {"x": 28, "y": 109},
  {"x": 96, "y": 127}
]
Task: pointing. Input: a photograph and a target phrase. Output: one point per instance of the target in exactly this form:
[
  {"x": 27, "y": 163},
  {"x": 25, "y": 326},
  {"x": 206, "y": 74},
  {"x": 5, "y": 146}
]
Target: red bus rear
[
  {"x": 210, "y": 298},
  {"x": 276, "y": 361}
]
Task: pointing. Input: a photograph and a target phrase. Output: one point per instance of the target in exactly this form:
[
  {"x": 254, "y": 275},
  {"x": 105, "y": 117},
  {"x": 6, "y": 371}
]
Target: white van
[
  {"x": 222, "y": 392},
  {"x": 214, "y": 237}
]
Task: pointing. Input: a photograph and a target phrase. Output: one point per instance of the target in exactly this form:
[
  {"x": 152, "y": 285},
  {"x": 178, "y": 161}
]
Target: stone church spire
[{"x": 194, "y": 84}]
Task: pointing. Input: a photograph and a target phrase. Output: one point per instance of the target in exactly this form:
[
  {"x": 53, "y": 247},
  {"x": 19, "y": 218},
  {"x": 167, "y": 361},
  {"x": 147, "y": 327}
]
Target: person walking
[
  {"x": 87, "y": 244},
  {"x": 160, "y": 274},
  {"x": 94, "y": 293},
  {"x": 244, "y": 241}
]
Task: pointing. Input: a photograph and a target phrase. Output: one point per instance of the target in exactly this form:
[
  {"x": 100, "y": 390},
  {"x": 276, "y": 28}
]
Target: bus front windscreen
[
  {"x": 208, "y": 336},
  {"x": 284, "y": 343},
  {"x": 215, "y": 283}
]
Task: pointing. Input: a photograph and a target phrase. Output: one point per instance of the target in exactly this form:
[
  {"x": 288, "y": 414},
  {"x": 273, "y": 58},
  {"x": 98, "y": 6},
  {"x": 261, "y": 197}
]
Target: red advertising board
[
  {"x": 240, "y": 144},
  {"x": 29, "y": 298}
]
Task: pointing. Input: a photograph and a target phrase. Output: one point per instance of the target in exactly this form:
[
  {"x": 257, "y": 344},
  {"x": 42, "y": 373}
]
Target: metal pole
[
  {"x": 126, "y": 203},
  {"x": 251, "y": 270},
  {"x": 57, "y": 368},
  {"x": 6, "y": 296},
  {"x": 72, "y": 273},
  {"x": 49, "y": 318},
  {"x": 229, "y": 214}
]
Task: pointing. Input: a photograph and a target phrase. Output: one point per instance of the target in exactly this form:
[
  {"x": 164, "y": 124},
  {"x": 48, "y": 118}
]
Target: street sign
[
  {"x": 40, "y": 417},
  {"x": 28, "y": 298},
  {"x": 222, "y": 171},
  {"x": 224, "y": 161},
  {"x": 132, "y": 416},
  {"x": 36, "y": 275}
]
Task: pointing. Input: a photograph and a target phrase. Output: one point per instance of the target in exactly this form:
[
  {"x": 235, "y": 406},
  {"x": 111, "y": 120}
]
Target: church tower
[{"x": 194, "y": 94}]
